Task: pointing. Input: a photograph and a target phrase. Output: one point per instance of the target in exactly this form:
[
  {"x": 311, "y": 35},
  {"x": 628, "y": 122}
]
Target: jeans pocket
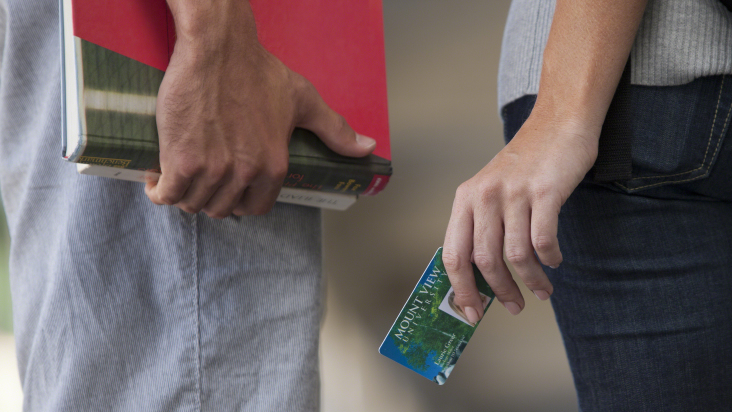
[{"x": 677, "y": 131}]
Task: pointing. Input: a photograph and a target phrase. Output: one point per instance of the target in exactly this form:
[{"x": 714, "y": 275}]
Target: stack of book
[{"x": 114, "y": 58}]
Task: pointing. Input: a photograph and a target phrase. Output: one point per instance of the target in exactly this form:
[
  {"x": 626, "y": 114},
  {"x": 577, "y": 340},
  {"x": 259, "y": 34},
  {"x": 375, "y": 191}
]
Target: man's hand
[{"x": 225, "y": 112}]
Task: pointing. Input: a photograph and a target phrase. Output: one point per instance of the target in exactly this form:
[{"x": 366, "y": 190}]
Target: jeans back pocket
[{"x": 677, "y": 131}]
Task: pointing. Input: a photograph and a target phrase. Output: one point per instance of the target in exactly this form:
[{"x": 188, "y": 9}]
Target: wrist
[
  {"x": 574, "y": 117},
  {"x": 566, "y": 127},
  {"x": 205, "y": 26}
]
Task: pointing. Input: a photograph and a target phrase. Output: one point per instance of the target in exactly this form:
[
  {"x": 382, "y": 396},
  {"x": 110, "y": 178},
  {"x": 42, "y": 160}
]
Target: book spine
[
  {"x": 347, "y": 180},
  {"x": 343, "y": 179},
  {"x": 312, "y": 166},
  {"x": 118, "y": 153}
]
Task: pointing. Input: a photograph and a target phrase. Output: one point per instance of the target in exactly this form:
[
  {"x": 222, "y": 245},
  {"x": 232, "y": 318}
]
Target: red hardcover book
[{"x": 116, "y": 52}]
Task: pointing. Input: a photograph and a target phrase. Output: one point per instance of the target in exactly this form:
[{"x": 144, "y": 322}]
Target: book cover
[
  {"x": 431, "y": 332},
  {"x": 116, "y": 53}
]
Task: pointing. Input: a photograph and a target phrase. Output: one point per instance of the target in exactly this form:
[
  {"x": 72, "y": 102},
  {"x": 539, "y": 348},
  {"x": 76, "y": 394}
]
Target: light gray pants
[{"x": 120, "y": 305}]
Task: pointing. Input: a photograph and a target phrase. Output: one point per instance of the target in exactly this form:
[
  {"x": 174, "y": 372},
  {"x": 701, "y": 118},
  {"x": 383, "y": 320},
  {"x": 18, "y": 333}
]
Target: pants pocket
[{"x": 677, "y": 131}]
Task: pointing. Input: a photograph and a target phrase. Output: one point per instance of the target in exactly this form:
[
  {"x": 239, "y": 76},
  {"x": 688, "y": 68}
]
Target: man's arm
[
  {"x": 225, "y": 112},
  {"x": 513, "y": 203}
]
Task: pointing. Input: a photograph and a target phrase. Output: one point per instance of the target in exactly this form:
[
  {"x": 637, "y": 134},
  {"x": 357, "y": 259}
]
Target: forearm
[{"x": 588, "y": 47}]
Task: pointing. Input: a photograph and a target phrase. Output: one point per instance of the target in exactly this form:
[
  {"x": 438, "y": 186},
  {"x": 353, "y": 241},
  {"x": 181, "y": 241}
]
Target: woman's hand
[{"x": 513, "y": 204}]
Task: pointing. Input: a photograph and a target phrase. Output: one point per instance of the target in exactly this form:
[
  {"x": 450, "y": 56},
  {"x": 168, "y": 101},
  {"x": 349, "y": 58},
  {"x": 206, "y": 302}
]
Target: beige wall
[{"x": 442, "y": 62}]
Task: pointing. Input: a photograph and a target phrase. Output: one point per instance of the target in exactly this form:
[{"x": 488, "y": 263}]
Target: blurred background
[{"x": 442, "y": 65}]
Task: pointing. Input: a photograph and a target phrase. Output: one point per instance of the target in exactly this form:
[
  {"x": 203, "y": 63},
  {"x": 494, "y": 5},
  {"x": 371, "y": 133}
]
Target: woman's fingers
[
  {"x": 520, "y": 250},
  {"x": 488, "y": 256},
  {"x": 544, "y": 222},
  {"x": 493, "y": 218},
  {"x": 456, "y": 253}
]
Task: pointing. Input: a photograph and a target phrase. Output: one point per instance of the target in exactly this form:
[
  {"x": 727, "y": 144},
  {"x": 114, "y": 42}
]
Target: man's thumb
[{"x": 333, "y": 129}]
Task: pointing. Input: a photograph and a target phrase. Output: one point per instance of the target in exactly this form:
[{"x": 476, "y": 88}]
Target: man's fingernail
[
  {"x": 554, "y": 267},
  {"x": 365, "y": 141},
  {"x": 541, "y": 294},
  {"x": 472, "y": 315},
  {"x": 512, "y": 307}
]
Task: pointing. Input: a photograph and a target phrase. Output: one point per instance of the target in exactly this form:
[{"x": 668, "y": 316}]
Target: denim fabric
[
  {"x": 643, "y": 298},
  {"x": 121, "y": 305}
]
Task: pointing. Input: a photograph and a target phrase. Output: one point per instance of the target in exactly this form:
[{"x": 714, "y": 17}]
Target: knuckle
[
  {"x": 339, "y": 124},
  {"x": 189, "y": 169},
  {"x": 517, "y": 256},
  {"x": 217, "y": 172},
  {"x": 463, "y": 294},
  {"x": 487, "y": 263},
  {"x": 300, "y": 84},
  {"x": 514, "y": 192},
  {"x": 463, "y": 191},
  {"x": 278, "y": 170},
  {"x": 460, "y": 191},
  {"x": 488, "y": 192},
  {"x": 541, "y": 190},
  {"x": 543, "y": 243},
  {"x": 168, "y": 198},
  {"x": 245, "y": 175},
  {"x": 155, "y": 200},
  {"x": 452, "y": 261}
]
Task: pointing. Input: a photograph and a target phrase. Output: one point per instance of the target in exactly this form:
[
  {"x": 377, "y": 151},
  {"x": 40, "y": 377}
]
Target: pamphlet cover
[{"x": 431, "y": 331}]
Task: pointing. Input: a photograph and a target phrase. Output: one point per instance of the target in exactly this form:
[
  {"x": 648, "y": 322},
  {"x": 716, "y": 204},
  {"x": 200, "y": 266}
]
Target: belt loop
[{"x": 614, "y": 156}]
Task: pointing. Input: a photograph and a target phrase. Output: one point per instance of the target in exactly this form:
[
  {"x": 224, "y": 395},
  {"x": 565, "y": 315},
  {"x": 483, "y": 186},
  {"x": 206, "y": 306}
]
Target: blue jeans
[{"x": 643, "y": 298}]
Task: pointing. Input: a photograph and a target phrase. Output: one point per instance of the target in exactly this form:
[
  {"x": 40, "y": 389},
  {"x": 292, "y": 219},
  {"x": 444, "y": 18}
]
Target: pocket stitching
[
  {"x": 706, "y": 152},
  {"x": 719, "y": 142}
]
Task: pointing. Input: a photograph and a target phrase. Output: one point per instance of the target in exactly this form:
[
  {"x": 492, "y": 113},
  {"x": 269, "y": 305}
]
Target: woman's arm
[{"x": 513, "y": 203}]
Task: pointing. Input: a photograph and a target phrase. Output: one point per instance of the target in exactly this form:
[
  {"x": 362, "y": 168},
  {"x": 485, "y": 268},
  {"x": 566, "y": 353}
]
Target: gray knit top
[{"x": 678, "y": 41}]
